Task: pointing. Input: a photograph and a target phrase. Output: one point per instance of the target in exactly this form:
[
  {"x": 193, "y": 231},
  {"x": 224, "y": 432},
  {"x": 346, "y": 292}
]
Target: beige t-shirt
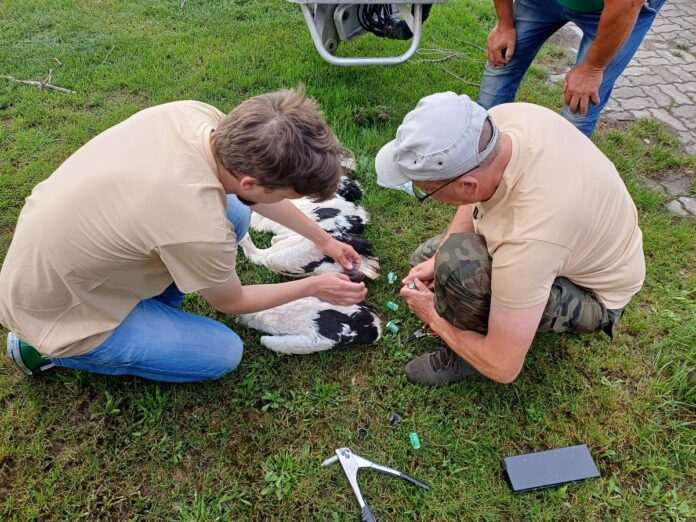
[
  {"x": 560, "y": 210},
  {"x": 135, "y": 209}
]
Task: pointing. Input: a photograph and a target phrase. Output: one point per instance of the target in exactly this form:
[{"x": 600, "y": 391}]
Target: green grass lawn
[{"x": 248, "y": 447}]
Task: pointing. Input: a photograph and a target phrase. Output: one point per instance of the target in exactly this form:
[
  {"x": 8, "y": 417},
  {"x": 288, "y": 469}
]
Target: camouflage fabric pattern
[{"x": 463, "y": 290}]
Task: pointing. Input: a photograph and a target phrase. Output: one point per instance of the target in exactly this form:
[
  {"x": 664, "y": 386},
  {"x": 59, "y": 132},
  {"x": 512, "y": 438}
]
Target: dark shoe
[
  {"x": 26, "y": 357},
  {"x": 443, "y": 367}
]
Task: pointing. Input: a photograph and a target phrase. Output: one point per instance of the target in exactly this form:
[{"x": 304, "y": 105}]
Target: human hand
[
  {"x": 420, "y": 301},
  {"x": 344, "y": 254},
  {"x": 500, "y": 45},
  {"x": 581, "y": 85},
  {"x": 337, "y": 289},
  {"x": 424, "y": 271}
]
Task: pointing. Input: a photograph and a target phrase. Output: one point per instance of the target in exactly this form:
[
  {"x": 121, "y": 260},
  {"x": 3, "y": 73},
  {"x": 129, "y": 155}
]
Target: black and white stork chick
[
  {"x": 309, "y": 325},
  {"x": 295, "y": 255},
  {"x": 333, "y": 215}
]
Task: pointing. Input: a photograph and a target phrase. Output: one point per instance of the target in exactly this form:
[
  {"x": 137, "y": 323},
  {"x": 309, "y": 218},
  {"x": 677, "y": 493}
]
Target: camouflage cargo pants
[{"x": 463, "y": 291}]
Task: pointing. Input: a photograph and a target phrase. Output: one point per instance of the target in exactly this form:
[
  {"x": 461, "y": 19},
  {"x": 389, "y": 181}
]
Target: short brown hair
[{"x": 282, "y": 140}]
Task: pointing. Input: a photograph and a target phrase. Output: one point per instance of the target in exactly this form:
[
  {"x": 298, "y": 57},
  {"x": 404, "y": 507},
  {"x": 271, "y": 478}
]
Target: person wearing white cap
[{"x": 545, "y": 236}]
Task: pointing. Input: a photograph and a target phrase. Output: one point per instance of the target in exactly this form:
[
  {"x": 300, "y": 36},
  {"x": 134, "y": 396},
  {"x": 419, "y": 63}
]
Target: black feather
[
  {"x": 349, "y": 189},
  {"x": 361, "y": 323}
]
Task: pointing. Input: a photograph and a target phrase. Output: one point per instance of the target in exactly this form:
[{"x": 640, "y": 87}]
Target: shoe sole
[{"x": 13, "y": 352}]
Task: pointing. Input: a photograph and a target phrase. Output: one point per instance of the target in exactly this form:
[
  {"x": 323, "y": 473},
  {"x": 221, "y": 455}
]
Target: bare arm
[
  {"x": 615, "y": 25},
  {"x": 290, "y": 216},
  {"x": 234, "y": 299},
  {"x": 500, "y": 354},
  {"x": 501, "y": 40}
]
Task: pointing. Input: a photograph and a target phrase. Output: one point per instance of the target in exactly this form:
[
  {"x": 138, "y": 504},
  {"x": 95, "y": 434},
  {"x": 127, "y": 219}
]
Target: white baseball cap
[{"x": 437, "y": 140}]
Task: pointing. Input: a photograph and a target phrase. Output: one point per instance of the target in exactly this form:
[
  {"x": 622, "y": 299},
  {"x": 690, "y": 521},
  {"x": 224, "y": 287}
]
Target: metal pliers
[{"x": 351, "y": 463}]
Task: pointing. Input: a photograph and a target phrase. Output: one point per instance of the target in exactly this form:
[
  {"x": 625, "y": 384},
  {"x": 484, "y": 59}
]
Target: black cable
[{"x": 380, "y": 20}]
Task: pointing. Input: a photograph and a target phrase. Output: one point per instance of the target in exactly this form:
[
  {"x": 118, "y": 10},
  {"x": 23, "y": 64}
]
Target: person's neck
[
  {"x": 224, "y": 177},
  {"x": 499, "y": 164}
]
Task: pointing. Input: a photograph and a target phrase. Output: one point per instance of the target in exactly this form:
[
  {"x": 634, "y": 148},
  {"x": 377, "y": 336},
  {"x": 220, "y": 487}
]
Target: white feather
[
  {"x": 293, "y": 326},
  {"x": 289, "y": 254}
]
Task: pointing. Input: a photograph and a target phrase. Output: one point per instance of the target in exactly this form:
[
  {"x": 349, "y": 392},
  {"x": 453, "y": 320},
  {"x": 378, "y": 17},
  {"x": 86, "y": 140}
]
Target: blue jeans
[
  {"x": 160, "y": 342},
  {"x": 535, "y": 22}
]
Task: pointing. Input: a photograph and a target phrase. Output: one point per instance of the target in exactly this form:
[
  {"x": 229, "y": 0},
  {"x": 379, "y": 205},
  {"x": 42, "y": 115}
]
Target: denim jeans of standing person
[
  {"x": 160, "y": 342},
  {"x": 535, "y": 22}
]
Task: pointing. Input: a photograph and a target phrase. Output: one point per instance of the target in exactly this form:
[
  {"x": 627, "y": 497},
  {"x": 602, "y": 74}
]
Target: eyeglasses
[{"x": 422, "y": 195}]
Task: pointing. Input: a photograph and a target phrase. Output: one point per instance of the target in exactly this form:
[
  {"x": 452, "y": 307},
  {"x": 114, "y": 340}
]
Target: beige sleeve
[
  {"x": 198, "y": 265},
  {"x": 524, "y": 270}
]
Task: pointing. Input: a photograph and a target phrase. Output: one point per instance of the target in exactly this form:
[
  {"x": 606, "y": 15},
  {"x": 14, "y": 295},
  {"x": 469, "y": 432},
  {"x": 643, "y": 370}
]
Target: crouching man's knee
[{"x": 463, "y": 282}]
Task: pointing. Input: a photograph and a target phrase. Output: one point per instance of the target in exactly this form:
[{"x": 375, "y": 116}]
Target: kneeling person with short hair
[
  {"x": 152, "y": 208},
  {"x": 545, "y": 236}
]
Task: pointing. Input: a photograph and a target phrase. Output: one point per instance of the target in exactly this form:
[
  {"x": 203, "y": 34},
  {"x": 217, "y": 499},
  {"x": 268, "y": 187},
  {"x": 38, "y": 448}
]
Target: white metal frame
[{"x": 415, "y": 24}]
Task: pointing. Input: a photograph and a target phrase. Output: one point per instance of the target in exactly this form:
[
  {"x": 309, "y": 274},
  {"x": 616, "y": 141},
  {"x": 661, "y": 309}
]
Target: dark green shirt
[{"x": 584, "y": 6}]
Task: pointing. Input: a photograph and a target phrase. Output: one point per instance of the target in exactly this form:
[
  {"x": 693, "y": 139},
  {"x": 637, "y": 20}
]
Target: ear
[
  {"x": 469, "y": 185},
  {"x": 248, "y": 183}
]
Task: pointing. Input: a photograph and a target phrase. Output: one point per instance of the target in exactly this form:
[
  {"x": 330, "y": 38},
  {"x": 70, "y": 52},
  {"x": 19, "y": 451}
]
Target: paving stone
[
  {"x": 675, "y": 94},
  {"x": 644, "y": 53},
  {"x": 665, "y": 117},
  {"x": 689, "y": 204},
  {"x": 637, "y": 71},
  {"x": 648, "y": 79},
  {"x": 660, "y": 60},
  {"x": 627, "y": 92},
  {"x": 654, "y": 185},
  {"x": 666, "y": 27},
  {"x": 613, "y": 106},
  {"x": 660, "y": 98},
  {"x": 687, "y": 112},
  {"x": 676, "y": 208},
  {"x": 677, "y": 185},
  {"x": 638, "y": 103},
  {"x": 683, "y": 75}
]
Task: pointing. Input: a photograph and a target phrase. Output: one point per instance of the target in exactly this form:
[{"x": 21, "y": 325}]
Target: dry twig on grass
[
  {"x": 468, "y": 82},
  {"x": 108, "y": 54},
  {"x": 438, "y": 55},
  {"x": 41, "y": 84}
]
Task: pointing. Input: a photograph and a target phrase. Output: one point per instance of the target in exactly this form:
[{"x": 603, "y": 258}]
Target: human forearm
[
  {"x": 479, "y": 352},
  {"x": 615, "y": 25},
  {"x": 504, "y": 12},
  {"x": 462, "y": 222},
  {"x": 255, "y": 298},
  {"x": 234, "y": 299}
]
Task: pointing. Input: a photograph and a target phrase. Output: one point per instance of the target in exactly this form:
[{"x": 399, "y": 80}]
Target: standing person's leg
[
  {"x": 588, "y": 22},
  {"x": 160, "y": 342},
  {"x": 535, "y": 22}
]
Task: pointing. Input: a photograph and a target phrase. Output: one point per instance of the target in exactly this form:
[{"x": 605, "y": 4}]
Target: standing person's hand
[
  {"x": 344, "y": 254},
  {"x": 581, "y": 85},
  {"x": 338, "y": 289},
  {"x": 501, "y": 45},
  {"x": 424, "y": 271}
]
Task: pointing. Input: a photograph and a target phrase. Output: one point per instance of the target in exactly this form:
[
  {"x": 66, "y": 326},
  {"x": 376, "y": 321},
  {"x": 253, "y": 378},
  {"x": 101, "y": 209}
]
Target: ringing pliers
[{"x": 351, "y": 463}]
